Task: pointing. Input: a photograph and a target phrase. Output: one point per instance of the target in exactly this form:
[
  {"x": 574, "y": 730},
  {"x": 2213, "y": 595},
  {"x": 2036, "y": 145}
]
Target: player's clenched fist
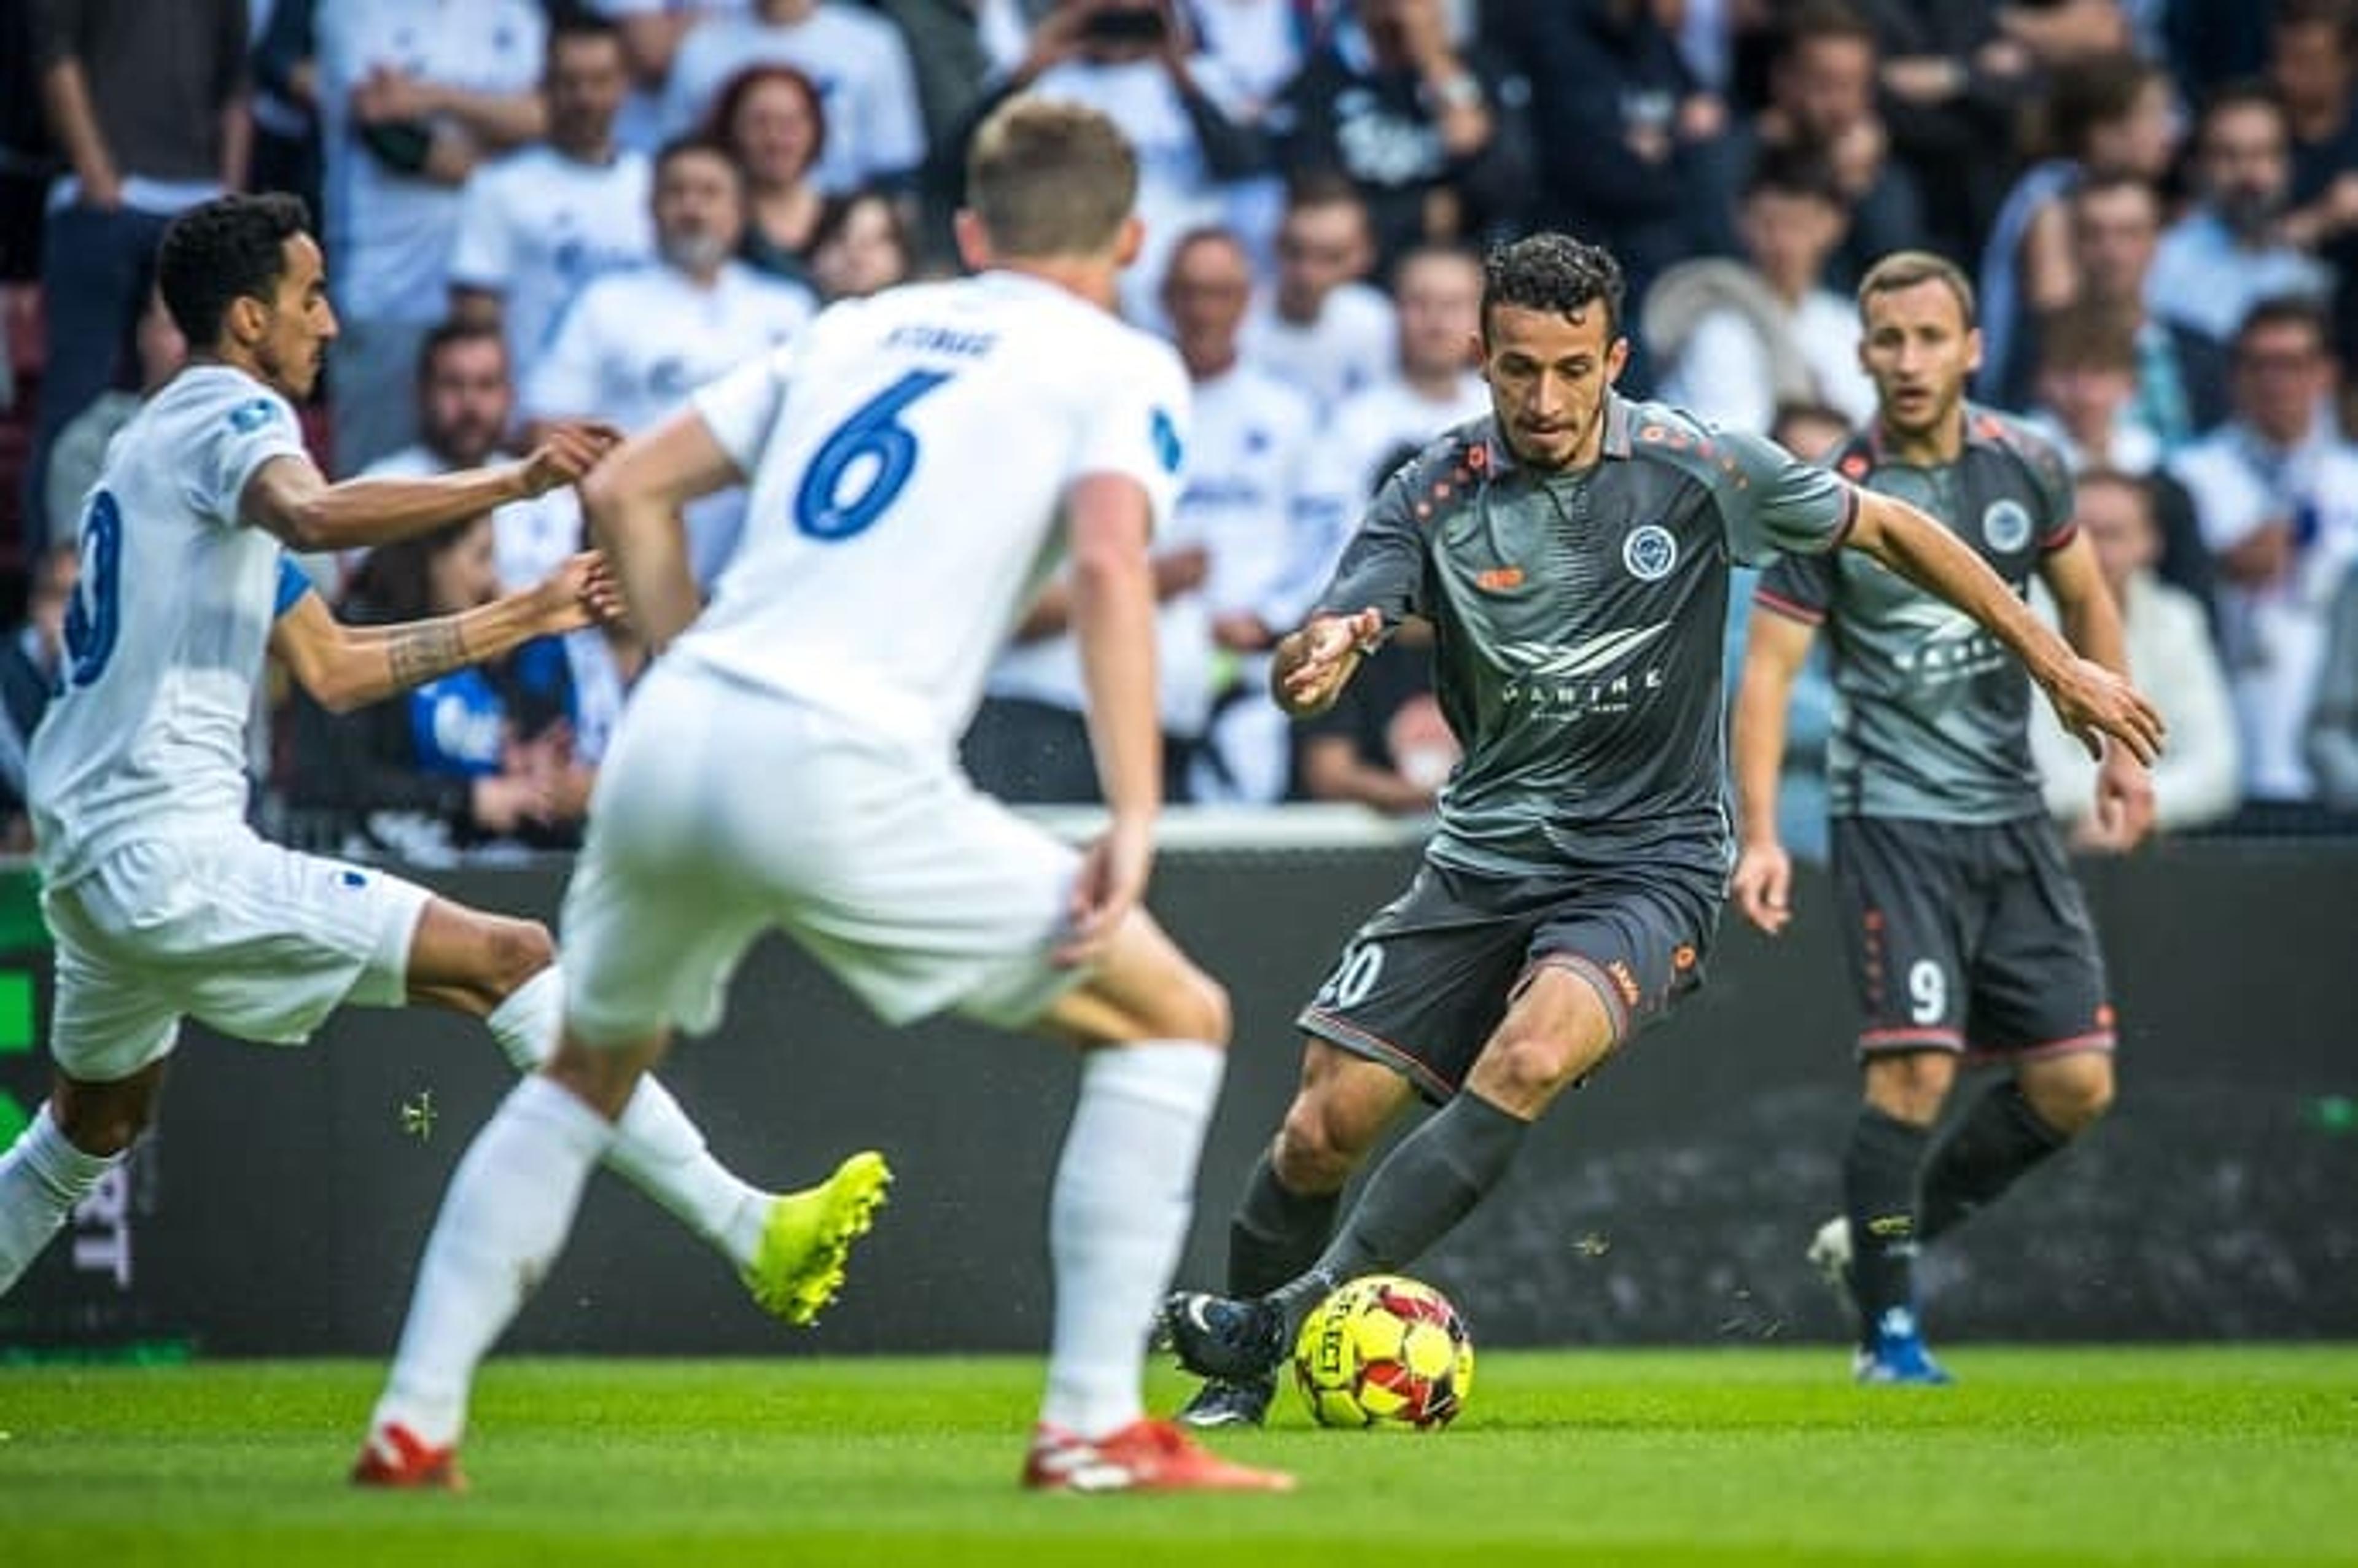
[{"x": 568, "y": 451}]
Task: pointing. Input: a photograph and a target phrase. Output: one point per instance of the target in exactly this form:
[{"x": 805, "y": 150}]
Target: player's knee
[
  {"x": 1524, "y": 1070},
  {"x": 1195, "y": 1006},
  {"x": 1910, "y": 1085},
  {"x": 100, "y": 1123},
  {"x": 514, "y": 951},
  {"x": 1315, "y": 1149},
  {"x": 2073, "y": 1101}
]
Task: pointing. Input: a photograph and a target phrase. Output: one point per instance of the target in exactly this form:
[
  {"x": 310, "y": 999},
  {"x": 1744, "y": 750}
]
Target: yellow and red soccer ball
[{"x": 1384, "y": 1350}]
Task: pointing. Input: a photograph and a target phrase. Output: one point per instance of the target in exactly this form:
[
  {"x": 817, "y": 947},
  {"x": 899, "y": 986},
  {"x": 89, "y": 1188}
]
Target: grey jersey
[
  {"x": 1933, "y": 712},
  {"x": 1579, "y": 619}
]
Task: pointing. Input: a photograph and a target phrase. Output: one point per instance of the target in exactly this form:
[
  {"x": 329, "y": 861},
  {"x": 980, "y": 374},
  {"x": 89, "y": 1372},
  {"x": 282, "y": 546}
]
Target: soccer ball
[{"x": 1384, "y": 1350}]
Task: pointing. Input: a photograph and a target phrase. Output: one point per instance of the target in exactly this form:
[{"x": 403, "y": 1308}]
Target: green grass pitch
[{"x": 2052, "y": 1457}]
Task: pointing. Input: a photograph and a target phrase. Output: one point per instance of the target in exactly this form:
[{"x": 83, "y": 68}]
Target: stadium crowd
[{"x": 587, "y": 208}]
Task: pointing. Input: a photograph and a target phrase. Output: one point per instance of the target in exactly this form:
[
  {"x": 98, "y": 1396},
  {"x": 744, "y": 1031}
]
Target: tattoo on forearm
[{"x": 420, "y": 652}]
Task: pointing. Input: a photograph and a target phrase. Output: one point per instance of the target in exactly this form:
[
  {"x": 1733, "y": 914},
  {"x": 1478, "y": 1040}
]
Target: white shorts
[
  {"x": 723, "y": 811},
  {"x": 246, "y": 937}
]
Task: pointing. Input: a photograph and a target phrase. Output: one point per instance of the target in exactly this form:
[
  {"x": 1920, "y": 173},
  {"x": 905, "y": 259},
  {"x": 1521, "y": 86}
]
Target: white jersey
[
  {"x": 1354, "y": 343},
  {"x": 166, "y": 634},
  {"x": 1250, "y": 437},
  {"x": 909, "y": 456},
  {"x": 858, "y": 61},
  {"x": 635, "y": 343},
  {"x": 391, "y": 232},
  {"x": 536, "y": 227}
]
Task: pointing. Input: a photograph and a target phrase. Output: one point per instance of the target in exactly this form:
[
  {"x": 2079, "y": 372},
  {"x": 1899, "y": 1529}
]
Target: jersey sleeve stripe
[{"x": 2062, "y": 536}]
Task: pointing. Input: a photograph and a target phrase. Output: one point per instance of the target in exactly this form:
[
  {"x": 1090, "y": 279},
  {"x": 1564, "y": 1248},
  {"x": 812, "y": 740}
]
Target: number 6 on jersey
[{"x": 822, "y": 509}]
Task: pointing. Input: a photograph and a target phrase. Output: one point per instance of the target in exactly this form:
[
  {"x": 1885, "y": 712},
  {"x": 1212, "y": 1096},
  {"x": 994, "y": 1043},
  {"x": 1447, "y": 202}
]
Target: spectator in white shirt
[
  {"x": 541, "y": 223},
  {"x": 413, "y": 95},
  {"x": 857, "y": 60},
  {"x": 635, "y": 343},
  {"x": 1434, "y": 387},
  {"x": 1323, "y": 327},
  {"x": 2168, "y": 641},
  {"x": 2276, "y": 492},
  {"x": 1736, "y": 340}
]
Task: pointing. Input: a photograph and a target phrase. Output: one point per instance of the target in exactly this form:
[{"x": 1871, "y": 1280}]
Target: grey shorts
[
  {"x": 1968, "y": 936},
  {"x": 1423, "y": 984}
]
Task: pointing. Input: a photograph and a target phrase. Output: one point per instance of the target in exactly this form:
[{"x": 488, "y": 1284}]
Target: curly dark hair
[
  {"x": 1552, "y": 272},
  {"x": 233, "y": 247}
]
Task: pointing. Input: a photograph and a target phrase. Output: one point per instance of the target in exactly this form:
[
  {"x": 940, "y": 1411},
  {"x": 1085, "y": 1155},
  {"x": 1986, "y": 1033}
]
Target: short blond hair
[
  {"x": 1050, "y": 180},
  {"x": 1906, "y": 269}
]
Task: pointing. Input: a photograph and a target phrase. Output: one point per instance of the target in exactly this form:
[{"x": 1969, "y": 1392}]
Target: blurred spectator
[
  {"x": 1733, "y": 341},
  {"x": 1436, "y": 139},
  {"x": 413, "y": 95},
  {"x": 1130, "y": 59},
  {"x": 2181, "y": 376},
  {"x": 867, "y": 90},
  {"x": 2085, "y": 394},
  {"x": 1952, "y": 77},
  {"x": 286, "y": 99},
  {"x": 2195, "y": 782},
  {"x": 2277, "y": 491},
  {"x": 1249, "y": 438},
  {"x": 954, "y": 55},
  {"x": 769, "y": 119},
  {"x": 28, "y": 677},
  {"x": 1323, "y": 327},
  {"x": 2333, "y": 732},
  {"x": 1385, "y": 743},
  {"x": 480, "y": 755},
  {"x": 2313, "y": 66},
  {"x": 2112, "y": 115},
  {"x": 1811, "y": 431},
  {"x": 1650, "y": 181},
  {"x": 466, "y": 401},
  {"x": 635, "y": 343},
  {"x": 2227, "y": 253},
  {"x": 536, "y": 225},
  {"x": 147, "y": 101},
  {"x": 1433, "y": 387},
  {"x": 80, "y": 448},
  {"x": 862, "y": 245},
  {"x": 1821, "y": 106}
]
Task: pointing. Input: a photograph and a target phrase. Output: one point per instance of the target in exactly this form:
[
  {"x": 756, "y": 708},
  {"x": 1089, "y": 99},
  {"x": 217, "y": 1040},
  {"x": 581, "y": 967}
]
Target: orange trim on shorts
[
  {"x": 1348, "y": 1034},
  {"x": 1873, "y": 1040},
  {"x": 2095, "y": 1040},
  {"x": 1608, "y": 991}
]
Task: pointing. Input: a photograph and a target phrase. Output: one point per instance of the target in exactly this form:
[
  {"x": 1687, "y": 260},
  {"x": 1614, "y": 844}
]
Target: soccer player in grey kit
[
  {"x": 1963, "y": 926},
  {"x": 1571, "y": 550}
]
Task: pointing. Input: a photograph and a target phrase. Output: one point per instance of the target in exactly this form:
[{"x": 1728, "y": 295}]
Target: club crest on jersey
[
  {"x": 248, "y": 417},
  {"x": 2006, "y": 526},
  {"x": 1168, "y": 449},
  {"x": 1650, "y": 553}
]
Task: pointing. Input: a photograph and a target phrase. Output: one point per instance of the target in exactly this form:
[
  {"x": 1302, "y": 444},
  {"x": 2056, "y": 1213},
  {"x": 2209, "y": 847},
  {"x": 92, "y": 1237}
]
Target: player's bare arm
[
  {"x": 633, "y": 501},
  {"x": 1776, "y": 648},
  {"x": 1314, "y": 665},
  {"x": 2090, "y": 701},
  {"x": 344, "y": 668},
  {"x": 2091, "y": 624},
  {"x": 291, "y": 498},
  {"x": 1112, "y": 585}
]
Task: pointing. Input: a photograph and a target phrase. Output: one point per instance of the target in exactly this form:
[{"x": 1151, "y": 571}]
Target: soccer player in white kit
[
  {"x": 790, "y": 763},
  {"x": 162, "y": 903}
]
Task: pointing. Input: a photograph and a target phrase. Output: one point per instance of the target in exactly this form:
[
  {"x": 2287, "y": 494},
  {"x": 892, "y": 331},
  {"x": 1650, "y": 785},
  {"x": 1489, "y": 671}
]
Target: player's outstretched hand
[
  {"x": 1111, "y": 882},
  {"x": 580, "y": 592},
  {"x": 569, "y": 449},
  {"x": 1763, "y": 886},
  {"x": 1322, "y": 655},
  {"x": 2094, "y": 702}
]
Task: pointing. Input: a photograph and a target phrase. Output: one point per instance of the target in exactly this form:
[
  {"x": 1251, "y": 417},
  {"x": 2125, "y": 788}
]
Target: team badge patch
[
  {"x": 2006, "y": 526},
  {"x": 1650, "y": 552},
  {"x": 248, "y": 417}
]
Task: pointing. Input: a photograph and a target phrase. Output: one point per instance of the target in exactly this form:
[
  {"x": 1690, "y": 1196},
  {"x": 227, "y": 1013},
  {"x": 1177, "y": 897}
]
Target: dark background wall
[{"x": 280, "y": 1207}]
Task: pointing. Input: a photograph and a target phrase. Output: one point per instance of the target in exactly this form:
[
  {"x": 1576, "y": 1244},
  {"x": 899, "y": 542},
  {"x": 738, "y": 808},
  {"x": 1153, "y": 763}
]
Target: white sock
[
  {"x": 42, "y": 1176},
  {"x": 656, "y": 1149},
  {"x": 1117, "y": 1219},
  {"x": 509, "y": 1207}
]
